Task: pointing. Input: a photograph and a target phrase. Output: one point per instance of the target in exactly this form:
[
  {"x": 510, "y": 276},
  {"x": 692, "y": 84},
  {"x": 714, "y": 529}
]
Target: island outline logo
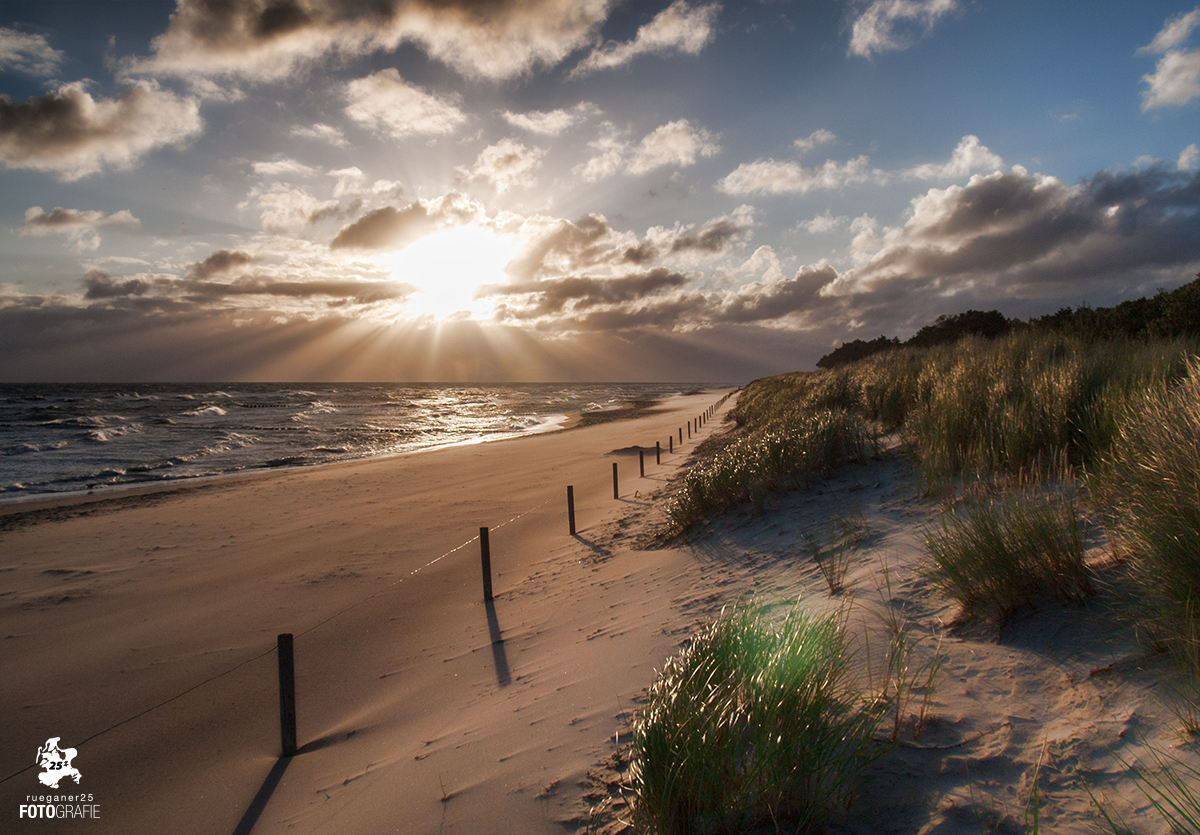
[{"x": 56, "y": 763}]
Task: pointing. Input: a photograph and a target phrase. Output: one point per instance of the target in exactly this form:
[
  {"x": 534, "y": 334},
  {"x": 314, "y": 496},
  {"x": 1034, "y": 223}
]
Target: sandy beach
[{"x": 141, "y": 631}]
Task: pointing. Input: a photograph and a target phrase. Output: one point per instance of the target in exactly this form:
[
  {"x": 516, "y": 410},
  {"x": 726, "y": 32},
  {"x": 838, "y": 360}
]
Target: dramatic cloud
[
  {"x": 767, "y": 176},
  {"x": 889, "y": 24},
  {"x": 506, "y": 165},
  {"x": 100, "y": 285},
  {"x": 542, "y": 298},
  {"x": 969, "y": 156},
  {"x": 1021, "y": 234},
  {"x": 72, "y": 134},
  {"x": 552, "y": 123},
  {"x": 678, "y": 28},
  {"x": 1176, "y": 78},
  {"x": 272, "y": 39},
  {"x": 391, "y": 107},
  {"x": 79, "y": 226},
  {"x": 676, "y": 144},
  {"x": 29, "y": 54},
  {"x": 392, "y": 228}
]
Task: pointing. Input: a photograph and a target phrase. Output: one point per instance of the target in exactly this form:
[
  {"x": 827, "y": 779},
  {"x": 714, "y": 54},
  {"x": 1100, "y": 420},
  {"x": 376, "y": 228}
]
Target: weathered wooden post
[
  {"x": 571, "y": 508},
  {"x": 657, "y": 452},
  {"x": 485, "y": 560},
  {"x": 671, "y": 444},
  {"x": 287, "y": 693},
  {"x": 641, "y": 462},
  {"x": 616, "y": 493}
]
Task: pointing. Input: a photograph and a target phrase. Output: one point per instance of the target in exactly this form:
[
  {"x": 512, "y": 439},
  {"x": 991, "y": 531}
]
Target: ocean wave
[
  {"x": 111, "y": 433},
  {"x": 26, "y": 448},
  {"x": 206, "y": 410}
]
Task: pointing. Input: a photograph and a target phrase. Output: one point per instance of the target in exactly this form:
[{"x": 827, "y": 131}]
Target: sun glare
[{"x": 448, "y": 266}]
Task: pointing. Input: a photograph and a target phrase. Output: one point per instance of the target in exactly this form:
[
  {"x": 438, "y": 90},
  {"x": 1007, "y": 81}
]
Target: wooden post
[
  {"x": 641, "y": 462},
  {"x": 616, "y": 493},
  {"x": 689, "y": 431},
  {"x": 657, "y": 452},
  {"x": 485, "y": 559},
  {"x": 681, "y": 434},
  {"x": 671, "y": 444},
  {"x": 287, "y": 693},
  {"x": 571, "y": 508}
]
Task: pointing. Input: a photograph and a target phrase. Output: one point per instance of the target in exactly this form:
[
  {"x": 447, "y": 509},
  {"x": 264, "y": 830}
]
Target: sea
[{"x": 57, "y": 438}]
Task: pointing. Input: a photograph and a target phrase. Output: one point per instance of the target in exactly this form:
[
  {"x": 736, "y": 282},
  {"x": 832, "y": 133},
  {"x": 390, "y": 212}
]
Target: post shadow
[
  {"x": 499, "y": 656},
  {"x": 259, "y": 803}
]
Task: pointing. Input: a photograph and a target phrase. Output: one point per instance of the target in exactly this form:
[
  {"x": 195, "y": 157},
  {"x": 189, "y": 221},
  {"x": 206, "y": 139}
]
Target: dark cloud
[
  {"x": 544, "y": 298},
  {"x": 219, "y": 262},
  {"x": 100, "y": 285},
  {"x": 1022, "y": 234},
  {"x": 269, "y": 39},
  {"x": 565, "y": 248},
  {"x": 73, "y": 134},
  {"x": 714, "y": 237},
  {"x": 392, "y": 228}
]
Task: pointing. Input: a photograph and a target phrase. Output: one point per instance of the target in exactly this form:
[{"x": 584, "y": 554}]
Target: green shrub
[
  {"x": 1008, "y": 553},
  {"x": 752, "y": 723}
]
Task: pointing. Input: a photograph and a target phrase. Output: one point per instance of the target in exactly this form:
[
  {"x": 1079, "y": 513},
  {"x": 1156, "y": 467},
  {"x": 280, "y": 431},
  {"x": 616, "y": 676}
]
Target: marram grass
[
  {"x": 787, "y": 453},
  {"x": 755, "y": 722},
  {"x": 1012, "y": 551},
  {"x": 1148, "y": 487}
]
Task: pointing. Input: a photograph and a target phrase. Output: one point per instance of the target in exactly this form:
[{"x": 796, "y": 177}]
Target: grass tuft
[
  {"x": 1009, "y": 552},
  {"x": 753, "y": 723}
]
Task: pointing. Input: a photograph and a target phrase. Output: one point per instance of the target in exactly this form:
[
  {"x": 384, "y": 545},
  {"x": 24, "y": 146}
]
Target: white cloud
[
  {"x": 969, "y": 156},
  {"x": 72, "y": 134},
  {"x": 885, "y": 24},
  {"x": 325, "y": 133},
  {"x": 282, "y": 166},
  {"x": 823, "y": 223},
  {"x": 676, "y": 143},
  {"x": 817, "y": 137},
  {"x": 287, "y": 211},
  {"x": 551, "y": 123},
  {"x": 390, "y": 106},
  {"x": 1188, "y": 157},
  {"x": 1174, "y": 32},
  {"x": 30, "y": 54},
  {"x": 1175, "y": 80},
  {"x": 506, "y": 165},
  {"x": 679, "y": 27},
  {"x": 770, "y": 177},
  {"x": 79, "y": 226}
]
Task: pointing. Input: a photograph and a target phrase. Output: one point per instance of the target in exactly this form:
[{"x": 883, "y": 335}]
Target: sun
[{"x": 448, "y": 266}]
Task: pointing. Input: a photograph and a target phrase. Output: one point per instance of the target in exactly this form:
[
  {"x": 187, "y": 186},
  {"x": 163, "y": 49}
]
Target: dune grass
[
  {"x": 755, "y": 722},
  {"x": 787, "y": 453},
  {"x": 1148, "y": 486},
  {"x": 1009, "y": 552}
]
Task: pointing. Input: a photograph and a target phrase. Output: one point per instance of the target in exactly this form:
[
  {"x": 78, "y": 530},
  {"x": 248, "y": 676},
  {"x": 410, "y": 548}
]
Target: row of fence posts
[{"x": 284, "y": 647}]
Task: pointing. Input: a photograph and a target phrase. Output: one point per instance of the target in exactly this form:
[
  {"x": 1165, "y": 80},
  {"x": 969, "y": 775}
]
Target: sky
[{"x": 559, "y": 190}]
